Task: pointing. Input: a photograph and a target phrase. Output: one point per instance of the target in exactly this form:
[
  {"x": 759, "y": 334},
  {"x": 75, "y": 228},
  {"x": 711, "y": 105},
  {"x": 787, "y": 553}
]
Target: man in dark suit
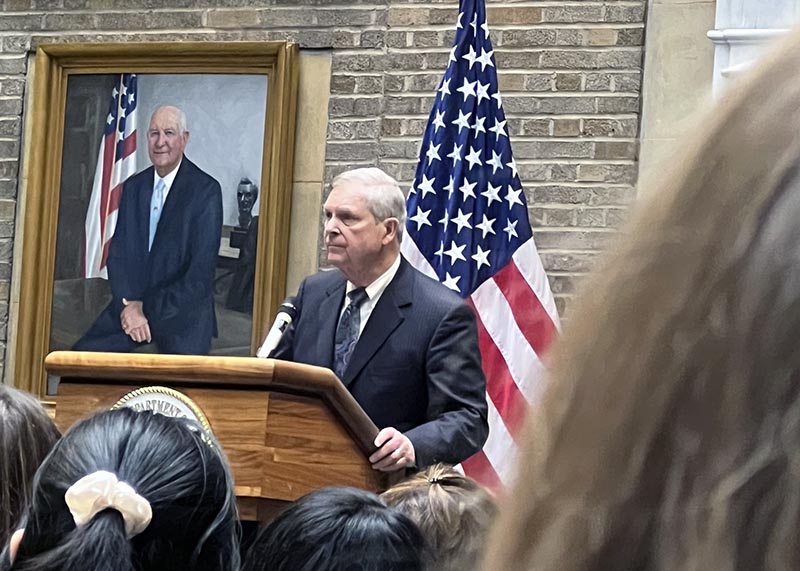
[
  {"x": 163, "y": 255},
  {"x": 403, "y": 344}
]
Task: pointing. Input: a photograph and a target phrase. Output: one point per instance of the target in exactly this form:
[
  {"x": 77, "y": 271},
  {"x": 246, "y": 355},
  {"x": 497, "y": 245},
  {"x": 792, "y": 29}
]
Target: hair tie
[{"x": 102, "y": 490}]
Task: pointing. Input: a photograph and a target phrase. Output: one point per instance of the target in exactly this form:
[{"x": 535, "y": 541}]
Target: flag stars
[
  {"x": 496, "y": 161},
  {"x": 482, "y": 92},
  {"x": 499, "y": 129},
  {"x": 452, "y": 282},
  {"x": 131, "y": 99},
  {"x": 491, "y": 194},
  {"x": 444, "y": 222},
  {"x": 456, "y": 153},
  {"x": 453, "y": 54},
  {"x": 510, "y": 229},
  {"x": 459, "y": 25},
  {"x": 438, "y": 121},
  {"x": 496, "y": 96},
  {"x": 486, "y": 226},
  {"x": 421, "y": 218},
  {"x": 471, "y": 56},
  {"x": 450, "y": 187},
  {"x": 474, "y": 23},
  {"x": 444, "y": 89},
  {"x": 473, "y": 157},
  {"x": 485, "y": 59},
  {"x": 481, "y": 257},
  {"x": 440, "y": 252},
  {"x": 478, "y": 125},
  {"x": 110, "y": 119},
  {"x": 512, "y": 197},
  {"x": 485, "y": 28},
  {"x": 462, "y": 220},
  {"x": 426, "y": 186},
  {"x": 467, "y": 189},
  {"x": 513, "y": 165},
  {"x": 455, "y": 252},
  {"x": 467, "y": 89},
  {"x": 462, "y": 121},
  {"x": 433, "y": 153}
]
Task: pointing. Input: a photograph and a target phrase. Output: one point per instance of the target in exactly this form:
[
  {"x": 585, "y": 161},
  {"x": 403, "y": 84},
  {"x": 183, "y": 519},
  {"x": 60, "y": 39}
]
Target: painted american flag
[
  {"x": 468, "y": 227},
  {"x": 116, "y": 162}
]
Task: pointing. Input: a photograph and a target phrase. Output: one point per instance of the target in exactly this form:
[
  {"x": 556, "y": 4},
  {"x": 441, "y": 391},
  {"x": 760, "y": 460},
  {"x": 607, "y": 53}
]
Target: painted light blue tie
[
  {"x": 156, "y": 204},
  {"x": 347, "y": 331}
]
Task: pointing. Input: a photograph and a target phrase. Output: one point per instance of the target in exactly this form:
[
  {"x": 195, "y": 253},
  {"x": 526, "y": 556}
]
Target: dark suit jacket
[
  {"x": 416, "y": 365},
  {"x": 175, "y": 279}
]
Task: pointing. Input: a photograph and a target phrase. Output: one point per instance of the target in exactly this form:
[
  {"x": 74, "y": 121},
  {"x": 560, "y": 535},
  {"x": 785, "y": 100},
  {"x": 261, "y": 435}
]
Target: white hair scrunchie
[{"x": 102, "y": 490}]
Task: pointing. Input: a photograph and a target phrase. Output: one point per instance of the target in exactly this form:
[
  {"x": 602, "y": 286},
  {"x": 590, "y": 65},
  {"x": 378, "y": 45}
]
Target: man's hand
[
  {"x": 395, "y": 451},
  {"x": 133, "y": 321}
]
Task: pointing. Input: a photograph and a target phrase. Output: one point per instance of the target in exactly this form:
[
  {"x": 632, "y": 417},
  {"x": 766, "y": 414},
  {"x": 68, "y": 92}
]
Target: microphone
[{"x": 287, "y": 312}]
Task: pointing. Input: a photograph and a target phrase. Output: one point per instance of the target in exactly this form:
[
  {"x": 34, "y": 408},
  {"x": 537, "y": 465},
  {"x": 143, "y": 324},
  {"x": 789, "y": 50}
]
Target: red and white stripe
[
  {"x": 517, "y": 320},
  {"x": 101, "y": 216}
]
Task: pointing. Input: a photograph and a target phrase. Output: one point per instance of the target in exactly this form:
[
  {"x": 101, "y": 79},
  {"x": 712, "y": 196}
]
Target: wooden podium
[{"x": 286, "y": 428}]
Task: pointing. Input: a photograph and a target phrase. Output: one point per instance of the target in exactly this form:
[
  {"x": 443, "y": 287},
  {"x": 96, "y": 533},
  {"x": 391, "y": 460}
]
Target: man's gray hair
[
  {"x": 183, "y": 124},
  {"x": 381, "y": 191}
]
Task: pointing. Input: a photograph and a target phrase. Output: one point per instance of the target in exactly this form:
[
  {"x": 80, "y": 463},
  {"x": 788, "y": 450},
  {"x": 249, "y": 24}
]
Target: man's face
[
  {"x": 165, "y": 141},
  {"x": 353, "y": 238}
]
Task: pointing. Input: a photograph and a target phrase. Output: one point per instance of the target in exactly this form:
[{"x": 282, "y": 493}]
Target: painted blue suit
[
  {"x": 416, "y": 365},
  {"x": 175, "y": 279}
]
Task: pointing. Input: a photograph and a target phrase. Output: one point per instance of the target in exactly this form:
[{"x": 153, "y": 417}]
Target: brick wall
[{"x": 570, "y": 76}]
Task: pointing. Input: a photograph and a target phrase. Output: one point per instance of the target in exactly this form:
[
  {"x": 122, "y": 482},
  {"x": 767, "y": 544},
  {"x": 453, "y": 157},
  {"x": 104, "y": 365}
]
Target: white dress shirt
[
  {"x": 374, "y": 292},
  {"x": 168, "y": 180}
]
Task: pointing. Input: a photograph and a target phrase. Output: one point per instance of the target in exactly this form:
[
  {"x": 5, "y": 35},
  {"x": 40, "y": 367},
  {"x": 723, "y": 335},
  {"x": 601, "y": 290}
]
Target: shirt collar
[
  {"x": 169, "y": 178},
  {"x": 375, "y": 289}
]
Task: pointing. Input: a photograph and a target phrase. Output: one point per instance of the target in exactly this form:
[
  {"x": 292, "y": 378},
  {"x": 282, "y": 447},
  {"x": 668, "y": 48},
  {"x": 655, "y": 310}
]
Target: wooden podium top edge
[{"x": 194, "y": 370}]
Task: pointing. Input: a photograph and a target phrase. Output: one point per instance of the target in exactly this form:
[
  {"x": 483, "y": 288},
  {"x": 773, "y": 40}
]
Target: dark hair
[
  {"x": 26, "y": 436},
  {"x": 167, "y": 461},
  {"x": 669, "y": 435},
  {"x": 339, "y": 529},
  {"x": 453, "y": 512}
]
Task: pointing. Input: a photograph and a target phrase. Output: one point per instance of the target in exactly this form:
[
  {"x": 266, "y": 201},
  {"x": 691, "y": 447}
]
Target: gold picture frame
[{"x": 54, "y": 65}]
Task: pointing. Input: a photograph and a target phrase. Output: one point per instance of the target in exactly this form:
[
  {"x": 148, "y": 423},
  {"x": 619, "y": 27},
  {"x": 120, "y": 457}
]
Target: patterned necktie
[
  {"x": 347, "y": 331},
  {"x": 156, "y": 204}
]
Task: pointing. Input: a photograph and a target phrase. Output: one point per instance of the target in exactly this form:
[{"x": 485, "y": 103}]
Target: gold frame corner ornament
[{"x": 54, "y": 63}]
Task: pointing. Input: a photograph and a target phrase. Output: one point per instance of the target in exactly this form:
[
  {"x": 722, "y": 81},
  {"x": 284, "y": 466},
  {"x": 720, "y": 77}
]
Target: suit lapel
[
  {"x": 385, "y": 318},
  {"x": 174, "y": 198},
  {"x": 328, "y": 320},
  {"x": 143, "y": 195}
]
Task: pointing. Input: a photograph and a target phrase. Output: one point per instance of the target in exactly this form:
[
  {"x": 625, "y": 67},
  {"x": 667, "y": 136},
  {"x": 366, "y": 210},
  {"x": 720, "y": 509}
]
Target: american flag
[
  {"x": 468, "y": 227},
  {"x": 116, "y": 162}
]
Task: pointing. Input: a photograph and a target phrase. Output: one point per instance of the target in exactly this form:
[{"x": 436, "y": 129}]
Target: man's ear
[
  {"x": 13, "y": 544},
  {"x": 392, "y": 226}
]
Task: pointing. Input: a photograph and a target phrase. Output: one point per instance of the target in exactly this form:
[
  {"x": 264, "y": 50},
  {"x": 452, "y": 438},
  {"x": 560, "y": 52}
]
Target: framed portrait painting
[{"x": 157, "y": 200}]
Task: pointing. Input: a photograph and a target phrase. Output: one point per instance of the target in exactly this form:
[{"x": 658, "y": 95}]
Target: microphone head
[{"x": 288, "y": 307}]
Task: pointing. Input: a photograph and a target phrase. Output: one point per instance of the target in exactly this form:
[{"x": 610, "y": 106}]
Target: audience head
[
  {"x": 452, "y": 511},
  {"x": 364, "y": 218},
  {"x": 26, "y": 436},
  {"x": 174, "y": 503},
  {"x": 670, "y": 434},
  {"x": 339, "y": 529}
]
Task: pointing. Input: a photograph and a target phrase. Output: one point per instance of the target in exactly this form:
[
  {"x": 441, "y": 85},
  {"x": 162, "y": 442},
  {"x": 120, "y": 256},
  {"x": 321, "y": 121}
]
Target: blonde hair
[
  {"x": 453, "y": 512},
  {"x": 670, "y": 436}
]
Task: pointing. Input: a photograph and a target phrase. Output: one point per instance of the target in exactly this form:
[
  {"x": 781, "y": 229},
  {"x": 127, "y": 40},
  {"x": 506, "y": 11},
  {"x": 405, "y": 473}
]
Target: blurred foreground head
[
  {"x": 670, "y": 436},
  {"x": 339, "y": 529},
  {"x": 26, "y": 436},
  {"x": 180, "y": 474},
  {"x": 452, "y": 511}
]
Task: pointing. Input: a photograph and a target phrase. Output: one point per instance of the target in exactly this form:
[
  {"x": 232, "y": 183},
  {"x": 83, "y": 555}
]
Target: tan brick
[
  {"x": 232, "y": 19},
  {"x": 499, "y": 15},
  {"x": 408, "y": 16},
  {"x": 566, "y": 127},
  {"x": 601, "y": 37}
]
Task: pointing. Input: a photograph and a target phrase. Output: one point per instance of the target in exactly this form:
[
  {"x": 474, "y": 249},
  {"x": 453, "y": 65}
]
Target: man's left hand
[{"x": 395, "y": 451}]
